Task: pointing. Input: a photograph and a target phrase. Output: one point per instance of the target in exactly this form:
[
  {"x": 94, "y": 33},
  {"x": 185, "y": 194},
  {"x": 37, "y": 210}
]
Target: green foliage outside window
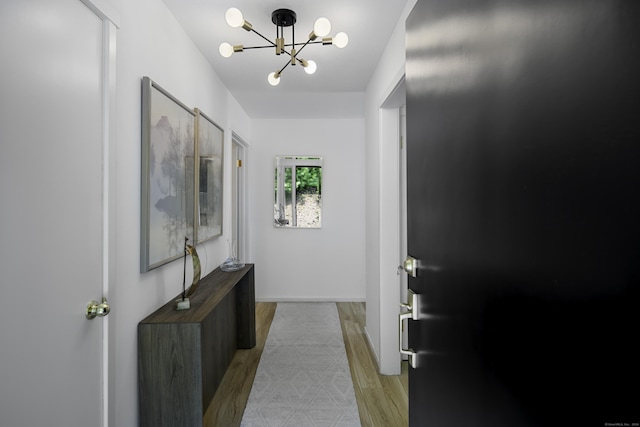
[{"x": 308, "y": 179}]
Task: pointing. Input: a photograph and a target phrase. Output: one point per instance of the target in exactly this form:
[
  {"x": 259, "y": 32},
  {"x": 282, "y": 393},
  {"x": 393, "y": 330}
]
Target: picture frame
[
  {"x": 167, "y": 176},
  {"x": 209, "y": 147}
]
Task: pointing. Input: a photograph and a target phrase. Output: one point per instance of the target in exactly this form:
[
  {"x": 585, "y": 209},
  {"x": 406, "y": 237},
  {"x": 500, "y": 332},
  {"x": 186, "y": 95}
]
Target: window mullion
[{"x": 294, "y": 197}]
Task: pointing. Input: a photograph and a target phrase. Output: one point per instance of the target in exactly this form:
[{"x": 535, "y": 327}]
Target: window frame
[{"x": 292, "y": 162}]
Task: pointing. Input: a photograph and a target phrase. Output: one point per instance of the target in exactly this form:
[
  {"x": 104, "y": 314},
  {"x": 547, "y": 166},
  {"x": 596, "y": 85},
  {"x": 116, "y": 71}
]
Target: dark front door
[{"x": 524, "y": 210}]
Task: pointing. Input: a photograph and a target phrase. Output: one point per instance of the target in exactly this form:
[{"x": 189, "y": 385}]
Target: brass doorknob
[{"x": 94, "y": 308}]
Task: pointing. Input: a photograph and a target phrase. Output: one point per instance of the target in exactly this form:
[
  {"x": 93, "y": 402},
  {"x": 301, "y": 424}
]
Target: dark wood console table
[{"x": 183, "y": 355}]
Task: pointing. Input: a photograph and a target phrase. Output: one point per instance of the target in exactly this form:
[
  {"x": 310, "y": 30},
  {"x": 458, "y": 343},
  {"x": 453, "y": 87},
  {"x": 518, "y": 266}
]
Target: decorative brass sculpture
[
  {"x": 196, "y": 269},
  {"x": 184, "y": 304}
]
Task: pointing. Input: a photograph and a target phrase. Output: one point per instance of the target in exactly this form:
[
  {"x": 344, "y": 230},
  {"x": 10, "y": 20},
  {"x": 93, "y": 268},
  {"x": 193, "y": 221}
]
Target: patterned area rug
[{"x": 303, "y": 378}]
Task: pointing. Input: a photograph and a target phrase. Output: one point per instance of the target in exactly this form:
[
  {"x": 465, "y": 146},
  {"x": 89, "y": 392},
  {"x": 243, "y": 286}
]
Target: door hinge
[{"x": 239, "y": 163}]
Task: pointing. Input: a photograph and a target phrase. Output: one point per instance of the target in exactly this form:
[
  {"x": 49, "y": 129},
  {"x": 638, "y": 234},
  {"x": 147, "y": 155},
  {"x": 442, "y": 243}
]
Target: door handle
[
  {"x": 413, "y": 359},
  {"x": 94, "y": 308},
  {"x": 413, "y": 313}
]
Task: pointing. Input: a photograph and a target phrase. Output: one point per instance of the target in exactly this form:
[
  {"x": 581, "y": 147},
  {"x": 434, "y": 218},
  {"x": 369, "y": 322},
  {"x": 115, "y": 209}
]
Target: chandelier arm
[
  {"x": 271, "y": 46},
  {"x": 300, "y": 44},
  {"x": 285, "y": 66},
  {"x": 257, "y": 47},
  {"x": 304, "y": 45},
  {"x": 272, "y": 43}
]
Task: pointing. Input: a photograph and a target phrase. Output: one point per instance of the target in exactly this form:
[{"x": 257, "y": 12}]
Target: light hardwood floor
[{"x": 382, "y": 400}]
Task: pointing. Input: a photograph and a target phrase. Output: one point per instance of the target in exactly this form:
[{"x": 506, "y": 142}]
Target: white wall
[
  {"x": 151, "y": 43},
  {"x": 383, "y": 293},
  {"x": 311, "y": 264}
]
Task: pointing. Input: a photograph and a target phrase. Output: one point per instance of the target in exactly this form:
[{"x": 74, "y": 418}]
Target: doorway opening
[
  {"x": 238, "y": 195},
  {"x": 393, "y": 239}
]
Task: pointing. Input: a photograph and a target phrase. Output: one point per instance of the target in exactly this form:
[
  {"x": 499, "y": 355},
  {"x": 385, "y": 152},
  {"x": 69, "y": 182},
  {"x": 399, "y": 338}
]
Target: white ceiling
[{"x": 335, "y": 90}]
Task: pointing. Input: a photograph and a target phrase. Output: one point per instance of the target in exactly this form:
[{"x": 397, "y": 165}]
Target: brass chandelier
[{"x": 284, "y": 18}]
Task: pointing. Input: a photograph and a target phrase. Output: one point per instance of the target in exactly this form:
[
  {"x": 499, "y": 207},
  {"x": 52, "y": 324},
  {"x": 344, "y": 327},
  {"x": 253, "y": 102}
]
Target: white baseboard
[{"x": 372, "y": 349}]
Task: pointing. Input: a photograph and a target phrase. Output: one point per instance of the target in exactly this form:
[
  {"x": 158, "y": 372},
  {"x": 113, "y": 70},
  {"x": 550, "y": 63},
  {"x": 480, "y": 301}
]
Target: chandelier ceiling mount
[{"x": 284, "y": 17}]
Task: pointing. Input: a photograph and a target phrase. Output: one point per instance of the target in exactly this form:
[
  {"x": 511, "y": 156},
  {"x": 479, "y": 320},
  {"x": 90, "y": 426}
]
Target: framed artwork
[
  {"x": 168, "y": 176},
  {"x": 209, "y": 168}
]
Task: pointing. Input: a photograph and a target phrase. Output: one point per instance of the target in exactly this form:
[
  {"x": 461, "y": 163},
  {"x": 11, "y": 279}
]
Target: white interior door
[{"x": 53, "y": 216}]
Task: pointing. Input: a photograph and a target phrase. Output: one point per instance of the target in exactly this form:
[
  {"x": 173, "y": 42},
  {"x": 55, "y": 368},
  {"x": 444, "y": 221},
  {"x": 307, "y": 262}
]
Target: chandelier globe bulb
[
  {"x": 322, "y": 27},
  {"x": 273, "y": 79},
  {"x": 234, "y": 17},
  {"x": 225, "y": 49},
  {"x": 311, "y": 67},
  {"x": 341, "y": 40}
]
